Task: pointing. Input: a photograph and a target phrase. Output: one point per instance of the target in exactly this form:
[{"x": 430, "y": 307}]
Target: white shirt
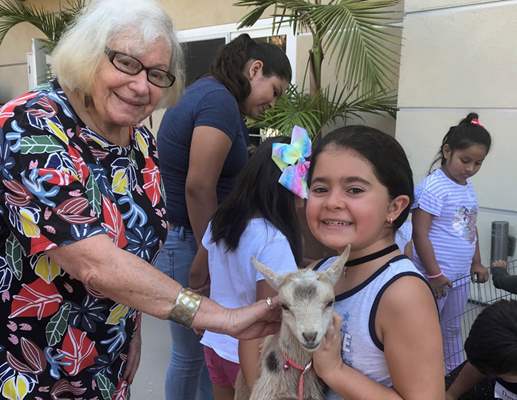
[
  {"x": 403, "y": 235},
  {"x": 233, "y": 278}
]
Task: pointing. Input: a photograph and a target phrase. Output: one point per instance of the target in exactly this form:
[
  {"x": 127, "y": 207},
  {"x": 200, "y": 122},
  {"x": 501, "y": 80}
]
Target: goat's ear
[
  {"x": 335, "y": 271},
  {"x": 273, "y": 279}
]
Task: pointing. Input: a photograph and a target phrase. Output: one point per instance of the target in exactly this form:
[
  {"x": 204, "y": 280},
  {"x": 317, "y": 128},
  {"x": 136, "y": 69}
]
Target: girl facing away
[
  {"x": 385, "y": 343},
  {"x": 445, "y": 233},
  {"x": 202, "y": 142},
  {"x": 258, "y": 218}
]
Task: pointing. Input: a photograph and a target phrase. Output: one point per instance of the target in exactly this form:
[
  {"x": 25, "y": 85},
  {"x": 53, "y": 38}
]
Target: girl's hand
[
  {"x": 327, "y": 358},
  {"x": 133, "y": 357},
  {"x": 439, "y": 285},
  {"x": 203, "y": 290},
  {"x": 478, "y": 273}
]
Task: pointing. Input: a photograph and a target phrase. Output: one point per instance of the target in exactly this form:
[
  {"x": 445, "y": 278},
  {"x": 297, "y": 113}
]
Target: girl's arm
[
  {"x": 129, "y": 280},
  {"x": 466, "y": 379},
  {"x": 208, "y": 151},
  {"x": 478, "y": 272},
  {"x": 249, "y": 350},
  {"x": 412, "y": 347},
  {"x": 421, "y": 225},
  {"x": 199, "y": 278}
]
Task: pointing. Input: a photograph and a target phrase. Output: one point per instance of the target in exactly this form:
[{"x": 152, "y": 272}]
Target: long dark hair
[
  {"x": 257, "y": 193},
  {"x": 228, "y": 66},
  {"x": 467, "y": 133},
  {"x": 383, "y": 152}
]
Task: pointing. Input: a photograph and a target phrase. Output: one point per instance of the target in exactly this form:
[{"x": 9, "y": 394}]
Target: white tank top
[{"x": 361, "y": 349}]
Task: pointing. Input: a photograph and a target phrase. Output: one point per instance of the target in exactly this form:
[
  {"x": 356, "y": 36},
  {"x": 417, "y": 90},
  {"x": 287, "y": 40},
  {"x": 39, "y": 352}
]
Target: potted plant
[{"x": 357, "y": 37}]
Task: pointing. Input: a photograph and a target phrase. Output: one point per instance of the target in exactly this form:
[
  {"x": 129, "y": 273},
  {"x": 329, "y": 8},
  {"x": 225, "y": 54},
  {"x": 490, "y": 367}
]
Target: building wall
[
  {"x": 459, "y": 56},
  {"x": 13, "y": 53}
]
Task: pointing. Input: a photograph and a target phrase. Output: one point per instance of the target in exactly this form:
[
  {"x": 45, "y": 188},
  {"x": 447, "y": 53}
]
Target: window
[{"x": 198, "y": 57}]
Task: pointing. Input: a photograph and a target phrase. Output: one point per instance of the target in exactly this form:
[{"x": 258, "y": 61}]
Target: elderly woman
[{"x": 82, "y": 214}]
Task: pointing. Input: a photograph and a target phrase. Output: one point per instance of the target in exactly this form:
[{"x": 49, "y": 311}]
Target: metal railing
[{"x": 480, "y": 295}]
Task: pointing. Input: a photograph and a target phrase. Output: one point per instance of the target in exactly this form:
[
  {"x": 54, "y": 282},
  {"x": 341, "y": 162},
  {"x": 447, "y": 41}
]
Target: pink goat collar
[{"x": 303, "y": 370}]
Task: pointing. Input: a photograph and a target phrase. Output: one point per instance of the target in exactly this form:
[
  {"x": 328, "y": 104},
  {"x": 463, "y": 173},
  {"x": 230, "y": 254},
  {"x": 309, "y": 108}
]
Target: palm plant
[
  {"x": 52, "y": 24},
  {"x": 357, "y": 36}
]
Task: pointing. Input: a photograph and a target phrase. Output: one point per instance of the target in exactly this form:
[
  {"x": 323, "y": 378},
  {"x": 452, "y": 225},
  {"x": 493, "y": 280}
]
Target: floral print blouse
[{"x": 61, "y": 182}]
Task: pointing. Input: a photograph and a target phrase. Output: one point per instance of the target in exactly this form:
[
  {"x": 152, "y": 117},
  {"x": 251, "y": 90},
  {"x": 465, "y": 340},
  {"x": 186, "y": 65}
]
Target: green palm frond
[
  {"x": 360, "y": 35},
  {"x": 293, "y": 108},
  {"x": 292, "y": 12},
  {"x": 52, "y": 24},
  {"x": 314, "y": 112}
]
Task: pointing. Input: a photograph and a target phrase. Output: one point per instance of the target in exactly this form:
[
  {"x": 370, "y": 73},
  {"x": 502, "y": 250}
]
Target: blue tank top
[{"x": 206, "y": 102}]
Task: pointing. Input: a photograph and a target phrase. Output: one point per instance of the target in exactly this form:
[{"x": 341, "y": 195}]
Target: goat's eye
[
  {"x": 284, "y": 307},
  {"x": 330, "y": 304}
]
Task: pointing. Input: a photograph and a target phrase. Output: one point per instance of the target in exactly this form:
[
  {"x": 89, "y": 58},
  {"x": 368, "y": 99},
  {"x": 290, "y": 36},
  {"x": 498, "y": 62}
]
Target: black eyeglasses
[{"x": 132, "y": 66}]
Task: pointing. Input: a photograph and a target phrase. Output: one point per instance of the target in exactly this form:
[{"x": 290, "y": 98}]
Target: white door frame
[{"x": 263, "y": 27}]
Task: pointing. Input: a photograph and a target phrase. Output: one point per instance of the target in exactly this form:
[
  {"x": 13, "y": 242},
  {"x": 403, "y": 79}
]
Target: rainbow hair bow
[{"x": 292, "y": 161}]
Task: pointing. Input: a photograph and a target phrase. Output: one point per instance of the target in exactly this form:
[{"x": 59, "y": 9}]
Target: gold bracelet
[{"x": 185, "y": 308}]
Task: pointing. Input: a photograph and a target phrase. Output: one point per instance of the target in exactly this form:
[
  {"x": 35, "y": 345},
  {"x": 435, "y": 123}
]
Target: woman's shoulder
[
  {"x": 208, "y": 86},
  {"x": 44, "y": 112}
]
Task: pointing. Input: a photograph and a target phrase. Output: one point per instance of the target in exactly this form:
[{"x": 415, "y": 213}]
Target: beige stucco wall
[
  {"x": 188, "y": 14},
  {"x": 13, "y": 50},
  {"x": 456, "y": 58}
]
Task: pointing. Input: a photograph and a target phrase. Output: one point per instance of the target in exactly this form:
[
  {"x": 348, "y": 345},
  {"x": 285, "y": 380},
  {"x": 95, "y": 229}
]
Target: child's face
[
  {"x": 462, "y": 164},
  {"x": 347, "y": 203}
]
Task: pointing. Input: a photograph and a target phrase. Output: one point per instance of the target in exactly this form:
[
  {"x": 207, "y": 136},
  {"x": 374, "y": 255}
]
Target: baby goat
[{"x": 307, "y": 299}]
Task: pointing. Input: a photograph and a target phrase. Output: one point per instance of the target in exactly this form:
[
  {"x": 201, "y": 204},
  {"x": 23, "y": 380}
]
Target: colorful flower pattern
[{"x": 61, "y": 182}]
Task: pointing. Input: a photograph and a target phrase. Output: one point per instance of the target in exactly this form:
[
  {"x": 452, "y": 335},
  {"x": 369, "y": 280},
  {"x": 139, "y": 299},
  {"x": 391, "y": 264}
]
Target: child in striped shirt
[{"x": 444, "y": 228}]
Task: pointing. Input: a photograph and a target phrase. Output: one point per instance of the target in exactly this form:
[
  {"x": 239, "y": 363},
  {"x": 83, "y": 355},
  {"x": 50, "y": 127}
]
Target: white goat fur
[{"x": 307, "y": 299}]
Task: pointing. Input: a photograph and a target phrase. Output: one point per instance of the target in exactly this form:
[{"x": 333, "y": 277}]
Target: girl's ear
[
  {"x": 446, "y": 152},
  {"x": 254, "y": 68},
  {"x": 397, "y": 205}
]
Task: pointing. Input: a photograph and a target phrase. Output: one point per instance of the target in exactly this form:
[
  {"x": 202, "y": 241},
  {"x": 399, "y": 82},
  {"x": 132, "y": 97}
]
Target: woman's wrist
[{"x": 185, "y": 307}]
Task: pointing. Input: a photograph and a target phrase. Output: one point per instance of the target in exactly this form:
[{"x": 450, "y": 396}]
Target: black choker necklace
[{"x": 373, "y": 256}]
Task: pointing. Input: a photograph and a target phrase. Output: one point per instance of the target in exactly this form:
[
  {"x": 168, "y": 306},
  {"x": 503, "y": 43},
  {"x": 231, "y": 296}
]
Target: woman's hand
[
  {"x": 327, "y": 358},
  {"x": 439, "y": 285},
  {"x": 478, "y": 273},
  {"x": 256, "y": 320},
  {"x": 133, "y": 357}
]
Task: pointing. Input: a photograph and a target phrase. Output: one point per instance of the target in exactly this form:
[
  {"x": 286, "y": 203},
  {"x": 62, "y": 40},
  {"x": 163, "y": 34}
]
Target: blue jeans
[{"x": 187, "y": 375}]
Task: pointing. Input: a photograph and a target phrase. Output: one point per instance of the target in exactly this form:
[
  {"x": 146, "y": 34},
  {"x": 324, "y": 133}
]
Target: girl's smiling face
[{"x": 348, "y": 204}]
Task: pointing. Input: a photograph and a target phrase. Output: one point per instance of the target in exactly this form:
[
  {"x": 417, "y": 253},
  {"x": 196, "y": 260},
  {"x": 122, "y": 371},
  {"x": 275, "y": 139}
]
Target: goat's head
[{"x": 307, "y": 299}]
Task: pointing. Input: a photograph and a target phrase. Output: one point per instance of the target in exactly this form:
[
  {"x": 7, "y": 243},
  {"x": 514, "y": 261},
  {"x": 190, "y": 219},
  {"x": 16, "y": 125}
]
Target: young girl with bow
[{"x": 258, "y": 218}]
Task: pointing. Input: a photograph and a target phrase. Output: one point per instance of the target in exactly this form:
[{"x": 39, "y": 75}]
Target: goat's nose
[{"x": 310, "y": 337}]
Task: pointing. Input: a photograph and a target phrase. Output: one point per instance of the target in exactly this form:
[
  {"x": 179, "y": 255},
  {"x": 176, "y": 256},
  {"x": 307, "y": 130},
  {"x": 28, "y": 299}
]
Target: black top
[{"x": 503, "y": 280}]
